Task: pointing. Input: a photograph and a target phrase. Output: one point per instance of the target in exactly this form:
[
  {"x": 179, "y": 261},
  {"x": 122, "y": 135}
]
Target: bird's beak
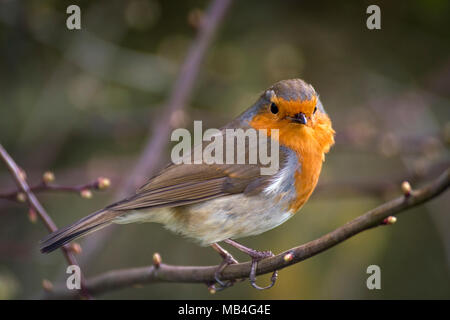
[{"x": 300, "y": 118}]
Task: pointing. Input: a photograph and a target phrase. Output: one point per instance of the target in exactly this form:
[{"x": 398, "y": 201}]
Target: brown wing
[
  {"x": 174, "y": 186},
  {"x": 184, "y": 184}
]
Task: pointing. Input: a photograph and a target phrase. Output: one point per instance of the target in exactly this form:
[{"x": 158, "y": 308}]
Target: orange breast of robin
[{"x": 310, "y": 142}]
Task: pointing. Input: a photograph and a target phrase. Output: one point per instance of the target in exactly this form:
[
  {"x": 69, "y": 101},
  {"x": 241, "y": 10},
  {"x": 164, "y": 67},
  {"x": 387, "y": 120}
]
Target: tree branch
[
  {"x": 44, "y": 186},
  {"x": 377, "y": 186},
  {"x": 178, "y": 99},
  {"x": 20, "y": 178},
  {"x": 118, "y": 279}
]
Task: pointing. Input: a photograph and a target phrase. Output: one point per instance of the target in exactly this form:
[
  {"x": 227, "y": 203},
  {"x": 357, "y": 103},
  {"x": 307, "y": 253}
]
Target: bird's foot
[
  {"x": 227, "y": 259},
  {"x": 256, "y": 257}
]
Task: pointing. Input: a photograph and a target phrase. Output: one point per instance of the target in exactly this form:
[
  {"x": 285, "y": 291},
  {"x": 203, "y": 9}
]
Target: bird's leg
[
  {"x": 256, "y": 256},
  {"x": 227, "y": 260}
]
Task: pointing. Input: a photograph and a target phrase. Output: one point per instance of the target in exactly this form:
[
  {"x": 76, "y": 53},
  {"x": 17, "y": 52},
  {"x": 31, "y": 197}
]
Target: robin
[{"x": 211, "y": 203}]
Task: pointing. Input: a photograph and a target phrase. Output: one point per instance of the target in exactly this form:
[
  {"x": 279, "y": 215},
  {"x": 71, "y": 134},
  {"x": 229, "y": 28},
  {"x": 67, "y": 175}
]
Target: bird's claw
[
  {"x": 227, "y": 260},
  {"x": 257, "y": 256}
]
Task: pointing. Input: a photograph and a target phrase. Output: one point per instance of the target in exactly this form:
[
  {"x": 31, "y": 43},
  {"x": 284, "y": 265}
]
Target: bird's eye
[
  {"x": 315, "y": 109},
  {"x": 273, "y": 108}
]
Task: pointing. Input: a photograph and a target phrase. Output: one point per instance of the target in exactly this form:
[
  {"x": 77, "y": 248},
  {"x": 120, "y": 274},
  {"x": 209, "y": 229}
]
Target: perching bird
[{"x": 220, "y": 202}]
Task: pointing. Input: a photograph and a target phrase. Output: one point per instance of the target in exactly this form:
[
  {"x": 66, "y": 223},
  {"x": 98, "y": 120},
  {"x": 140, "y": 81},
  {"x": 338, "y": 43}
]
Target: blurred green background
[{"x": 81, "y": 103}]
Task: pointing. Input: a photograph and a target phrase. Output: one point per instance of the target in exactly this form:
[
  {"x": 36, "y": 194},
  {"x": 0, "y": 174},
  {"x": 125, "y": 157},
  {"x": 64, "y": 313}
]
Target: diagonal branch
[
  {"x": 20, "y": 178},
  {"x": 181, "y": 93},
  {"x": 178, "y": 99},
  {"x": 118, "y": 279}
]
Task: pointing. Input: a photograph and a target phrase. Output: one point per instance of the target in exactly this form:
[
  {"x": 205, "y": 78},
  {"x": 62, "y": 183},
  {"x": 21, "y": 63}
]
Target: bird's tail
[{"x": 92, "y": 222}]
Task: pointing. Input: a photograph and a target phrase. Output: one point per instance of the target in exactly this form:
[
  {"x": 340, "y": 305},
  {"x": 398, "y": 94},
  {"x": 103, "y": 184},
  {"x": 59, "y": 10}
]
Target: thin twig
[
  {"x": 118, "y": 279},
  {"x": 20, "y": 179},
  {"x": 45, "y": 187},
  {"x": 377, "y": 186}
]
